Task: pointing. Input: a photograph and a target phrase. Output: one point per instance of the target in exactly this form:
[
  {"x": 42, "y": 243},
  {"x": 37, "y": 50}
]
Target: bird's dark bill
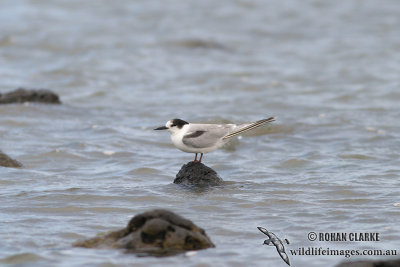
[{"x": 161, "y": 128}]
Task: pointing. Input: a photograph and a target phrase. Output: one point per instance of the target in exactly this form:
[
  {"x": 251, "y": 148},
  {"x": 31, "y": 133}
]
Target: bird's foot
[{"x": 195, "y": 158}]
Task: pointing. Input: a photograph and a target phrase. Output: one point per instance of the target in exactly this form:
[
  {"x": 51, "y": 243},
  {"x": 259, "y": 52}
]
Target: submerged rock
[
  {"x": 157, "y": 232},
  {"x": 6, "y": 161},
  {"x": 371, "y": 263},
  {"x": 198, "y": 174},
  {"x": 22, "y": 95}
]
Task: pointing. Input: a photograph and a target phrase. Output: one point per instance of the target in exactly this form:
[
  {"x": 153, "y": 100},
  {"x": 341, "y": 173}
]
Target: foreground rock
[
  {"x": 198, "y": 174},
  {"x": 371, "y": 263},
  {"x": 6, "y": 161},
  {"x": 22, "y": 95},
  {"x": 156, "y": 232}
]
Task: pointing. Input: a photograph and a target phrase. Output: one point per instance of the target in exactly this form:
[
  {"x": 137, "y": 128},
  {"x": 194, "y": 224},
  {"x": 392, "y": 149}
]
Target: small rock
[
  {"x": 6, "y": 161},
  {"x": 157, "y": 232},
  {"x": 198, "y": 174},
  {"x": 22, "y": 95},
  {"x": 371, "y": 263}
]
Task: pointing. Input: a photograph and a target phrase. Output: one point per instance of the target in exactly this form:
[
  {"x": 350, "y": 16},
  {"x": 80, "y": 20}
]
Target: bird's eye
[{"x": 173, "y": 125}]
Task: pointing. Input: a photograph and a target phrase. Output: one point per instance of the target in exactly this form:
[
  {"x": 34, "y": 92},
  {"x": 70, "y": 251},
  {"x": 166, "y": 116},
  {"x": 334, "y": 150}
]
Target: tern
[{"x": 203, "y": 138}]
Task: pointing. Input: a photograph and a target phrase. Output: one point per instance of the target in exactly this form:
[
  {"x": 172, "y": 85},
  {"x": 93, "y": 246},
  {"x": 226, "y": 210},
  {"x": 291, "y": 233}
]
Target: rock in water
[
  {"x": 22, "y": 95},
  {"x": 6, "y": 161},
  {"x": 198, "y": 174},
  {"x": 157, "y": 232}
]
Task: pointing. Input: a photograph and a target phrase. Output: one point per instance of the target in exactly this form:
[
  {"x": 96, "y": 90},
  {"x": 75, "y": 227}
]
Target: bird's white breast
[{"x": 176, "y": 138}]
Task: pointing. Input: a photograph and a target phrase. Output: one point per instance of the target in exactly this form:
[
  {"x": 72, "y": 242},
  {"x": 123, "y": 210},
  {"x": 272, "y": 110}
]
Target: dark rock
[
  {"x": 6, "y": 161},
  {"x": 156, "y": 232},
  {"x": 22, "y": 95},
  {"x": 371, "y": 263},
  {"x": 198, "y": 174}
]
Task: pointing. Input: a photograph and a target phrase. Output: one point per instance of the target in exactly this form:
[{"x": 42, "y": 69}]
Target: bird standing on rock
[{"x": 203, "y": 138}]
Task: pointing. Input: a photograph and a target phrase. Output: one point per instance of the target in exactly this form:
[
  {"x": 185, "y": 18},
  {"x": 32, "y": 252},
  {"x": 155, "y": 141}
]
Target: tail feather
[{"x": 249, "y": 127}]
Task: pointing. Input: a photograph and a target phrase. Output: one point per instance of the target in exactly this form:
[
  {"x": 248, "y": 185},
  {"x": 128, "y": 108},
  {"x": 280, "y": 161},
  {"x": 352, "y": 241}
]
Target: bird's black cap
[{"x": 178, "y": 123}]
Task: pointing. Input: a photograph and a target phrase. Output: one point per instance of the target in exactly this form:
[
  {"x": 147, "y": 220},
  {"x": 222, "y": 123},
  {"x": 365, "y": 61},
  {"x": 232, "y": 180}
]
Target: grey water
[{"x": 330, "y": 71}]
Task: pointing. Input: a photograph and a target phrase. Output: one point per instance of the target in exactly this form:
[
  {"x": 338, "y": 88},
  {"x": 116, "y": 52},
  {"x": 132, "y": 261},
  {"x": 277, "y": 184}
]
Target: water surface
[{"x": 330, "y": 163}]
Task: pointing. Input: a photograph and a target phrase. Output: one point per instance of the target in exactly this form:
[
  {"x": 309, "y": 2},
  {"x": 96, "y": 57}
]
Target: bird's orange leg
[{"x": 201, "y": 156}]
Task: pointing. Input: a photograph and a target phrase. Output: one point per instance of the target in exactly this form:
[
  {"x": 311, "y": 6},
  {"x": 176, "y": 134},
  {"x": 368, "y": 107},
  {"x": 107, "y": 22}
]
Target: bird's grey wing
[
  {"x": 282, "y": 253},
  {"x": 280, "y": 248},
  {"x": 206, "y": 135},
  {"x": 264, "y": 231}
]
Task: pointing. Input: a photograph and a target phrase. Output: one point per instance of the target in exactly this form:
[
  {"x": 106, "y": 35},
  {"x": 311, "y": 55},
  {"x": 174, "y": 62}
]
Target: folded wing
[{"x": 206, "y": 135}]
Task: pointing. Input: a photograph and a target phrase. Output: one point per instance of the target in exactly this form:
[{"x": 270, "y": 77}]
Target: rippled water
[{"x": 328, "y": 69}]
